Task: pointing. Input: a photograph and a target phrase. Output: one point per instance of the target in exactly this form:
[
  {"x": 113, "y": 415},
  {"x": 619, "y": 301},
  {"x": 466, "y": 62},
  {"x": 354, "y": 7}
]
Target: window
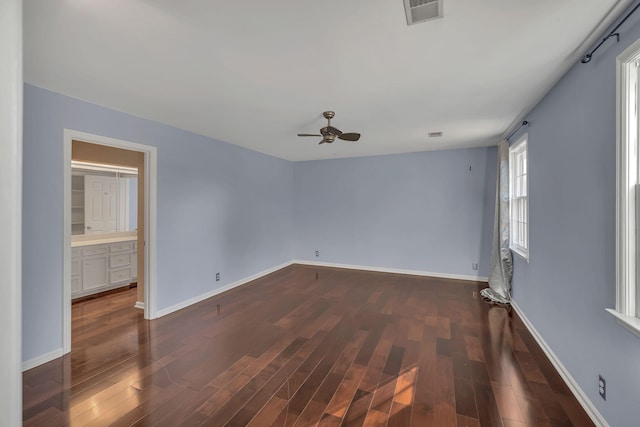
[
  {"x": 518, "y": 198},
  {"x": 627, "y": 309}
]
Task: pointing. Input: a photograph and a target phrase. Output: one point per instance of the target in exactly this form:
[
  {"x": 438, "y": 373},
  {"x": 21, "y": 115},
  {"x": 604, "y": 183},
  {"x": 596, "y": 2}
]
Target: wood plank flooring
[{"x": 304, "y": 346}]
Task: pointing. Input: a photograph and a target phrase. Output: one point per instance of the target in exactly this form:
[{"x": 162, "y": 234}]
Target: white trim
[
  {"x": 11, "y": 87},
  {"x": 626, "y": 179},
  {"x": 214, "y": 292},
  {"x": 150, "y": 197},
  {"x": 184, "y": 304},
  {"x": 575, "y": 388},
  {"x": 150, "y": 236},
  {"x": 42, "y": 359},
  {"x": 518, "y": 147},
  {"x": 394, "y": 271},
  {"x": 66, "y": 250},
  {"x": 107, "y": 288},
  {"x": 631, "y": 323},
  {"x": 139, "y": 304}
]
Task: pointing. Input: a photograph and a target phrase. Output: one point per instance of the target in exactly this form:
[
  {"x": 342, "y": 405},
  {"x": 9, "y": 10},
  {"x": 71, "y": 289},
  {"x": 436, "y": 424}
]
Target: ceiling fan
[{"x": 329, "y": 133}]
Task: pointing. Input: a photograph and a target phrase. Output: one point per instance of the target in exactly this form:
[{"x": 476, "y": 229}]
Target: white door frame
[
  {"x": 150, "y": 197},
  {"x": 11, "y": 212}
]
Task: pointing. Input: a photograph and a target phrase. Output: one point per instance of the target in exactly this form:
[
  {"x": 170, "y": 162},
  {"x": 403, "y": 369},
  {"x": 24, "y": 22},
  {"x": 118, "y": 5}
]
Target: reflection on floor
[{"x": 304, "y": 346}]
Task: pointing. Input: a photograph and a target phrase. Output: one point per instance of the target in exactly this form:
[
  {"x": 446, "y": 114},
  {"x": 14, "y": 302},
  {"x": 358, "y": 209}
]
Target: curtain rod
[
  {"x": 525, "y": 123},
  {"x": 587, "y": 57}
]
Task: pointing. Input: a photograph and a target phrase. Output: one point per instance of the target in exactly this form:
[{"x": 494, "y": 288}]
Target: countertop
[{"x": 101, "y": 239}]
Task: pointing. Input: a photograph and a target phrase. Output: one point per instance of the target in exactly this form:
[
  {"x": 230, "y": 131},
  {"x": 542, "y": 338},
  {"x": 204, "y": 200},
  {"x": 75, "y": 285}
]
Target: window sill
[
  {"x": 632, "y": 324},
  {"x": 520, "y": 253}
]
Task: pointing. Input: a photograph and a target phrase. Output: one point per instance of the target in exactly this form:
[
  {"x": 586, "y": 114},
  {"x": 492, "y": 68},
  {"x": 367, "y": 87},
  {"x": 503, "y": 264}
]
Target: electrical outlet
[
  {"x": 602, "y": 387},
  {"x": 217, "y": 277},
  {"x": 474, "y": 266},
  {"x": 317, "y": 254}
]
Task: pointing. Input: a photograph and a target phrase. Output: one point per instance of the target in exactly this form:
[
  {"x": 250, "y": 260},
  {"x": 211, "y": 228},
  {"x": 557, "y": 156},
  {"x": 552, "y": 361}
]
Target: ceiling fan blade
[
  {"x": 309, "y": 134},
  {"x": 334, "y": 131},
  {"x": 349, "y": 136}
]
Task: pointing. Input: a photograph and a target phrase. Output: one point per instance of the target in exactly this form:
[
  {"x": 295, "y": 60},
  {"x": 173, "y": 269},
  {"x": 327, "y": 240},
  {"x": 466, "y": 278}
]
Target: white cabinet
[
  {"x": 76, "y": 270},
  {"x": 120, "y": 262},
  {"x": 76, "y": 285},
  {"x": 134, "y": 262},
  {"x": 97, "y": 268},
  {"x": 94, "y": 272}
]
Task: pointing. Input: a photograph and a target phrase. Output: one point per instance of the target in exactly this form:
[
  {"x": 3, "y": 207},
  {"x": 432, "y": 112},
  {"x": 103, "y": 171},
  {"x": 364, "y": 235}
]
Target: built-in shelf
[{"x": 77, "y": 204}]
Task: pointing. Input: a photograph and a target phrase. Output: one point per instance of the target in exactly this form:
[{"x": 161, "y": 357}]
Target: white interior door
[
  {"x": 100, "y": 204},
  {"x": 110, "y": 204},
  {"x": 93, "y": 211}
]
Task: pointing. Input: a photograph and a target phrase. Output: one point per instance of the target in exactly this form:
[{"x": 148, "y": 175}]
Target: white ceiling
[{"x": 255, "y": 73}]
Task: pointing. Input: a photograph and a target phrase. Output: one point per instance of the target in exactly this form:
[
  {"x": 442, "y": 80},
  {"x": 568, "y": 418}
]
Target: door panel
[
  {"x": 101, "y": 204},
  {"x": 94, "y": 272}
]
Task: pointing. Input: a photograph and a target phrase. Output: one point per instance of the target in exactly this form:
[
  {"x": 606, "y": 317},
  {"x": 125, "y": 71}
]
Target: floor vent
[{"x": 422, "y": 10}]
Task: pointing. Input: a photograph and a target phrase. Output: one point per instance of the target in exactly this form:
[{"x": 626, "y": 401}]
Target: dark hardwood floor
[{"x": 304, "y": 346}]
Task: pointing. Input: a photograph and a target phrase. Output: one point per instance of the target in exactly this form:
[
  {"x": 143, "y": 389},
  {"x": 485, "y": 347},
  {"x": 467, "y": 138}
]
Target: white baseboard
[
  {"x": 577, "y": 391},
  {"x": 42, "y": 359},
  {"x": 163, "y": 312},
  {"x": 394, "y": 270},
  {"x": 220, "y": 290}
]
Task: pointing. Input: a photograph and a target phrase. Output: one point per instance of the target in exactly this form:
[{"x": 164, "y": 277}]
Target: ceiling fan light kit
[{"x": 330, "y": 133}]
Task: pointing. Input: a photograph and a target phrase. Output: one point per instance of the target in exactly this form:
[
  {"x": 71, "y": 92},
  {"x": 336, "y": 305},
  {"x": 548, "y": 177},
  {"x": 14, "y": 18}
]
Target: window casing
[
  {"x": 627, "y": 310},
  {"x": 519, "y": 198}
]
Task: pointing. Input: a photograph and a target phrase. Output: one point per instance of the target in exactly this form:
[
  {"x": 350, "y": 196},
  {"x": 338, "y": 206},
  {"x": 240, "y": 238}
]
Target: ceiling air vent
[
  {"x": 422, "y": 10},
  {"x": 435, "y": 134}
]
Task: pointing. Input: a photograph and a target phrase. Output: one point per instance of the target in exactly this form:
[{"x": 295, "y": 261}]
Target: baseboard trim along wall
[
  {"x": 42, "y": 359},
  {"x": 139, "y": 304},
  {"x": 577, "y": 391},
  {"x": 36, "y": 361},
  {"x": 214, "y": 292},
  {"x": 394, "y": 270}
]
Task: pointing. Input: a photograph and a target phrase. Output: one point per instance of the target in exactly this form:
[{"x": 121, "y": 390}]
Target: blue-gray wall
[
  {"x": 420, "y": 211},
  {"x": 570, "y": 278},
  {"x": 221, "y": 208}
]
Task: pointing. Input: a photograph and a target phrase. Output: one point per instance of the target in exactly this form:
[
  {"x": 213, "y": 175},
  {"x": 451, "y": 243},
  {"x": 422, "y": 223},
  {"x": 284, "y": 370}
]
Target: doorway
[{"x": 87, "y": 150}]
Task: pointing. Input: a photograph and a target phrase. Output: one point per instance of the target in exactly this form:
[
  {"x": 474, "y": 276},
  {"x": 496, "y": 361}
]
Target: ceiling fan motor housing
[{"x": 330, "y": 133}]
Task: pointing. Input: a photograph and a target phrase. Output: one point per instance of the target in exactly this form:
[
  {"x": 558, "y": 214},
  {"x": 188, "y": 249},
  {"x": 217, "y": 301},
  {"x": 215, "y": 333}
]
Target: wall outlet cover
[{"x": 602, "y": 387}]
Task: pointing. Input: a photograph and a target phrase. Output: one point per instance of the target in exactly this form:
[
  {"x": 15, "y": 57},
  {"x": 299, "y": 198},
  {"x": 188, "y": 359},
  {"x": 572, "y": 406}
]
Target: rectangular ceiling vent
[{"x": 422, "y": 10}]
